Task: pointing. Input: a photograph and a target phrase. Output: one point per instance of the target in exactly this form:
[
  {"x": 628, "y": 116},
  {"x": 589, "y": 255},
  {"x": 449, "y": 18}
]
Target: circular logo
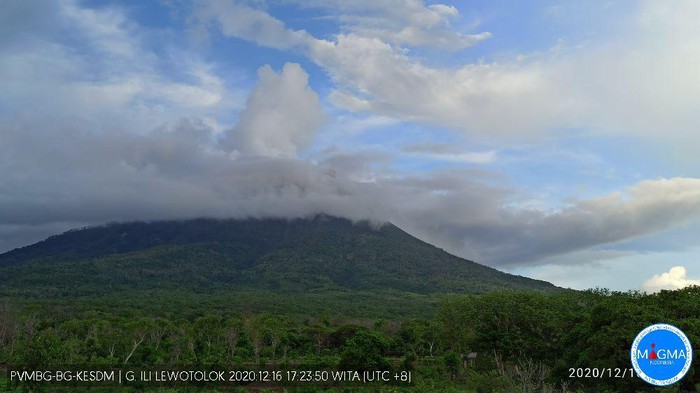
[{"x": 661, "y": 354}]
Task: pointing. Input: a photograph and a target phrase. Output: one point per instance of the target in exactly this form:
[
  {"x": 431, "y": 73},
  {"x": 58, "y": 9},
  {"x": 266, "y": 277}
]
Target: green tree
[{"x": 364, "y": 351}]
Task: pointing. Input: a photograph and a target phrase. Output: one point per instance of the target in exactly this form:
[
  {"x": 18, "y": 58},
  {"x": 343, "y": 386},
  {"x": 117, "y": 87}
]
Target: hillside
[{"x": 273, "y": 256}]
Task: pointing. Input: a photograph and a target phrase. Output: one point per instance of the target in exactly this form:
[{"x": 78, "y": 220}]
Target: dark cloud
[
  {"x": 76, "y": 152},
  {"x": 54, "y": 177},
  {"x": 75, "y": 175},
  {"x": 361, "y": 165}
]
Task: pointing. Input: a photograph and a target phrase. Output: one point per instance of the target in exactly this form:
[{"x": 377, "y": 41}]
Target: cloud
[
  {"x": 172, "y": 172},
  {"x": 363, "y": 166},
  {"x": 20, "y": 19},
  {"x": 476, "y": 220},
  {"x": 78, "y": 175},
  {"x": 675, "y": 278},
  {"x": 451, "y": 153},
  {"x": 82, "y": 142},
  {"x": 240, "y": 20},
  {"x": 638, "y": 79},
  {"x": 431, "y": 148},
  {"x": 281, "y": 115},
  {"x": 401, "y": 23},
  {"x": 101, "y": 66},
  {"x": 374, "y": 72},
  {"x": 482, "y": 99}
]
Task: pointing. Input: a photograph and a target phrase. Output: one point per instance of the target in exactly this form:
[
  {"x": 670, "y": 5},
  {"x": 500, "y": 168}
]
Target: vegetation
[
  {"x": 322, "y": 266},
  {"x": 525, "y": 342},
  {"x": 205, "y": 256},
  {"x": 321, "y": 294}
]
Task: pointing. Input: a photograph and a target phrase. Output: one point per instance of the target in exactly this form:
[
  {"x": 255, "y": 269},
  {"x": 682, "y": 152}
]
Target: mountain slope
[{"x": 324, "y": 253}]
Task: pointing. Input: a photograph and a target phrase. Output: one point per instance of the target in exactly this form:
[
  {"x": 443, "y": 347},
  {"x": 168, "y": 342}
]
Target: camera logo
[{"x": 661, "y": 354}]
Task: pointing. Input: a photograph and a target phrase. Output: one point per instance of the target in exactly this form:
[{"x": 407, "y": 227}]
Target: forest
[{"x": 506, "y": 341}]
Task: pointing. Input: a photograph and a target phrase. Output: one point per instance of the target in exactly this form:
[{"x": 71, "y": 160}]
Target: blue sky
[{"x": 553, "y": 139}]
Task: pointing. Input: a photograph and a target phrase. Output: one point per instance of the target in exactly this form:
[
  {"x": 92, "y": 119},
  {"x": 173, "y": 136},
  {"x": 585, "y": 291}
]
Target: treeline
[
  {"x": 497, "y": 342},
  {"x": 551, "y": 334}
]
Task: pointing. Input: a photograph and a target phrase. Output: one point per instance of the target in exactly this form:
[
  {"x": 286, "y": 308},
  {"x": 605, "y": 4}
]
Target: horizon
[{"x": 551, "y": 140}]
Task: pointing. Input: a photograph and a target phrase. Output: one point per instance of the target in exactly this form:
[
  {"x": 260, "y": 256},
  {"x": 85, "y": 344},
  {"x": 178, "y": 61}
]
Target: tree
[
  {"x": 8, "y": 326},
  {"x": 319, "y": 332},
  {"x": 364, "y": 352},
  {"x": 255, "y": 332},
  {"x": 232, "y": 333},
  {"x": 274, "y": 330},
  {"x": 452, "y": 362},
  {"x": 208, "y": 331}
]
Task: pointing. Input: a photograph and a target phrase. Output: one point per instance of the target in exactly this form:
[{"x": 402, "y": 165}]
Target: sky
[{"x": 551, "y": 139}]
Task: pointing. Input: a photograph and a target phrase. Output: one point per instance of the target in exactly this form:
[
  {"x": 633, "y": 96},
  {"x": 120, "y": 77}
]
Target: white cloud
[
  {"x": 108, "y": 30},
  {"x": 675, "y": 278},
  {"x": 374, "y": 72},
  {"x": 451, "y": 153},
  {"x": 105, "y": 72},
  {"x": 281, "y": 116},
  {"x": 240, "y": 20},
  {"x": 640, "y": 79},
  {"x": 400, "y": 22},
  {"x": 479, "y": 157},
  {"x": 480, "y": 98}
]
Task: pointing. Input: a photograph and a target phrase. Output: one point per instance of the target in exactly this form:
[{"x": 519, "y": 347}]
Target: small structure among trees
[{"x": 469, "y": 359}]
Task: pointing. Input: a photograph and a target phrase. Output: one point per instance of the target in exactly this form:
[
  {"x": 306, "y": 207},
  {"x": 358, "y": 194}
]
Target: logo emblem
[{"x": 661, "y": 354}]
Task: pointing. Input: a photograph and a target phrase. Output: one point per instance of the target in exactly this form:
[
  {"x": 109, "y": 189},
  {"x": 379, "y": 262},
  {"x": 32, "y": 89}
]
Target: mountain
[{"x": 272, "y": 256}]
